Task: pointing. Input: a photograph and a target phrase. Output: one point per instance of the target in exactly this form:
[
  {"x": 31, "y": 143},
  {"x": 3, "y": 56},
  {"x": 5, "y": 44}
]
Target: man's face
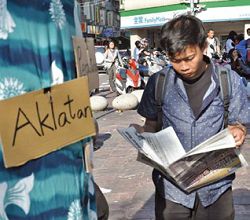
[
  {"x": 248, "y": 31},
  {"x": 210, "y": 34},
  {"x": 189, "y": 63}
]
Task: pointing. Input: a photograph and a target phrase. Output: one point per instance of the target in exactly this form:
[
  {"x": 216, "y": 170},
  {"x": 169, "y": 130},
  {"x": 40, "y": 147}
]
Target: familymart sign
[{"x": 235, "y": 13}]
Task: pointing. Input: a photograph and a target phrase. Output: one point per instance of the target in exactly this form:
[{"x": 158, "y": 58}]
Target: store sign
[
  {"x": 39, "y": 122},
  {"x": 208, "y": 15},
  {"x": 151, "y": 20},
  {"x": 146, "y": 20},
  {"x": 225, "y": 14}
]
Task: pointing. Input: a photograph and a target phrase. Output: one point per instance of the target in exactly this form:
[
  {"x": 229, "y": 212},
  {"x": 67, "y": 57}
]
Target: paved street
[{"x": 127, "y": 183}]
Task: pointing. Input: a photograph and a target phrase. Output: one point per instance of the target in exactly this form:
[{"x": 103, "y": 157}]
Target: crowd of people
[{"x": 234, "y": 53}]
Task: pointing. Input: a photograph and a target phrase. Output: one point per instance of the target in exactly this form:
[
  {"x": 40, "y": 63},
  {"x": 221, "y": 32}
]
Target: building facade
[
  {"x": 100, "y": 18},
  {"x": 144, "y": 18}
]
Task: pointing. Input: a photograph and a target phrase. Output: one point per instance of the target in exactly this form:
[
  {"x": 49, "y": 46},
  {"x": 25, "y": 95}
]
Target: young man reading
[{"x": 194, "y": 108}]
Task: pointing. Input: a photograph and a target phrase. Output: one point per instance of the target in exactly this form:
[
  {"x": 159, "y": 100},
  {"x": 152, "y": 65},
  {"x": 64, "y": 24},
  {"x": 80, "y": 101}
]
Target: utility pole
[{"x": 192, "y": 7}]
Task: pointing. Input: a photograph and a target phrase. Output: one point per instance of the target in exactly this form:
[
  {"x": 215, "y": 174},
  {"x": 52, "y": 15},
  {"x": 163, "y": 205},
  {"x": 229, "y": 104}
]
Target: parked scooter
[
  {"x": 127, "y": 78},
  {"x": 149, "y": 65}
]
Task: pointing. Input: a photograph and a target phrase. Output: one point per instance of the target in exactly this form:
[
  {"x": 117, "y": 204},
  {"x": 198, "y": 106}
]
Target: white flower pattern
[
  {"x": 57, "y": 13},
  {"x": 7, "y": 23},
  {"x": 17, "y": 195},
  {"x": 75, "y": 211},
  {"x": 10, "y": 87}
]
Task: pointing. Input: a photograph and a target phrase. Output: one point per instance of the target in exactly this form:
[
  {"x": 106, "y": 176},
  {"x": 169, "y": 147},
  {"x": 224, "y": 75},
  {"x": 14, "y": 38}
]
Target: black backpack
[{"x": 225, "y": 91}]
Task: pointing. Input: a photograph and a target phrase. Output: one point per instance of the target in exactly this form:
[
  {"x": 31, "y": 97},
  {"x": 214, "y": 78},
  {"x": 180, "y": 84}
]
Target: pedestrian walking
[
  {"x": 192, "y": 105},
  {"x": 112, "y": 60}
]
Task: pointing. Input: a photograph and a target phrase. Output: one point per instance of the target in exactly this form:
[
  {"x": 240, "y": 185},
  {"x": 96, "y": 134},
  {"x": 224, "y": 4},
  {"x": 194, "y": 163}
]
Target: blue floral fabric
[{"x": 36, "y": 51}]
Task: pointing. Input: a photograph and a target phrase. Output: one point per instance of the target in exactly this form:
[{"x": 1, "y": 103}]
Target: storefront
[{"x": 222, "y": 16}]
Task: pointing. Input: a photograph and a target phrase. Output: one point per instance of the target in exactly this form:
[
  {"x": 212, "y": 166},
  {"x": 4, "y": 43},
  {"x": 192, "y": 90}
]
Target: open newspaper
[{"x": 208, "y": 162}]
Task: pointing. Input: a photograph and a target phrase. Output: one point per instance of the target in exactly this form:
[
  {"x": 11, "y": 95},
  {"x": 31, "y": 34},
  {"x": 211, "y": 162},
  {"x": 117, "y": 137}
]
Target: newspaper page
[
  {"x": 221, "y": 140},
  {"x": 156, "y": 143},
  {"x": 138, "y": 141},
  {"x": 208, "y": 162},
  {"x": 164, "y": 170},
  {"x": 223, "y": 163},
  {"x": 198, "y": 170},
  {"x": 148, "y": 161},
  {"x": 166, "y": 144}
]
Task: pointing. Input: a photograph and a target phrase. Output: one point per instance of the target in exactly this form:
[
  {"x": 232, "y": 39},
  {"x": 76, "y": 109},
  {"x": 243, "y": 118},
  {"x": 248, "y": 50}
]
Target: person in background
[
  {"x": 144, "y": 52},
  {"x": 213, "y": 45},
  {"x": 248, "y": 32},
  {"x": 230, "y": 43},
  {"x": 238, "y": 65},
  {"x": 137, "y": 50},
  {"x": 241, "y": 46},
  {"x": 248, "y": 47},
  {"x": 112, "y": 60},
  {"x": 235, "y": 57},
  {"x": 145, "y": 48},
  {"x": 193, "y": 107}
]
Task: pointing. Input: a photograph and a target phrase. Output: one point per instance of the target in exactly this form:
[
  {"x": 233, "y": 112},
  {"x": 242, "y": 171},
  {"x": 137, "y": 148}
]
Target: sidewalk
[{"x": 132, "y": 191}]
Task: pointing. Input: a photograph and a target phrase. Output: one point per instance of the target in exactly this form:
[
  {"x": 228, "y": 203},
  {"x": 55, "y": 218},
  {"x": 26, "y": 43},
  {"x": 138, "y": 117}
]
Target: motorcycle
[
  {"x": 149, "y": 65},
  {"x": 127, "y": 78}
]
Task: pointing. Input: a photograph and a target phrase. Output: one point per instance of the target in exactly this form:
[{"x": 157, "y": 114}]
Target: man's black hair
[
  {"x": 138, "y": 44},
  {"x": 232, "y": 35},
  {"x": 240, "y": 37},
  {"x": 230, "y": 54},
  {"x": 248, "y": 31},
  {"x": 210, "y": 29},
  {"x": 181, "y": 32}
]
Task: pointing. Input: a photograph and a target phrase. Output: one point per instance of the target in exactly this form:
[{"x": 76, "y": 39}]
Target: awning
[{"x": 214, "y": 12}]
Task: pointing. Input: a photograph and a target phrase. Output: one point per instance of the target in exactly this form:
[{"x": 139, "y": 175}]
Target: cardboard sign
[
  {"x": 39, "y": 122},
  {"x": 84, "y": 51}
]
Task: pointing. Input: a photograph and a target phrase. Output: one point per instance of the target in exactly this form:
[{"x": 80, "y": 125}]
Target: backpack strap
[
  {"x": 160, "y": 89},
  {"x": 225, "y": 89}
]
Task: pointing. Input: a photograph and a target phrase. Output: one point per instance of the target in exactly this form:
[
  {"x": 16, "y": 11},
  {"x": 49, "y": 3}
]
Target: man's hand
[
  {"x": 137, "y": 127},
  {"x": 149, "y": 126},
  {"x": 239, "y": 133}
]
